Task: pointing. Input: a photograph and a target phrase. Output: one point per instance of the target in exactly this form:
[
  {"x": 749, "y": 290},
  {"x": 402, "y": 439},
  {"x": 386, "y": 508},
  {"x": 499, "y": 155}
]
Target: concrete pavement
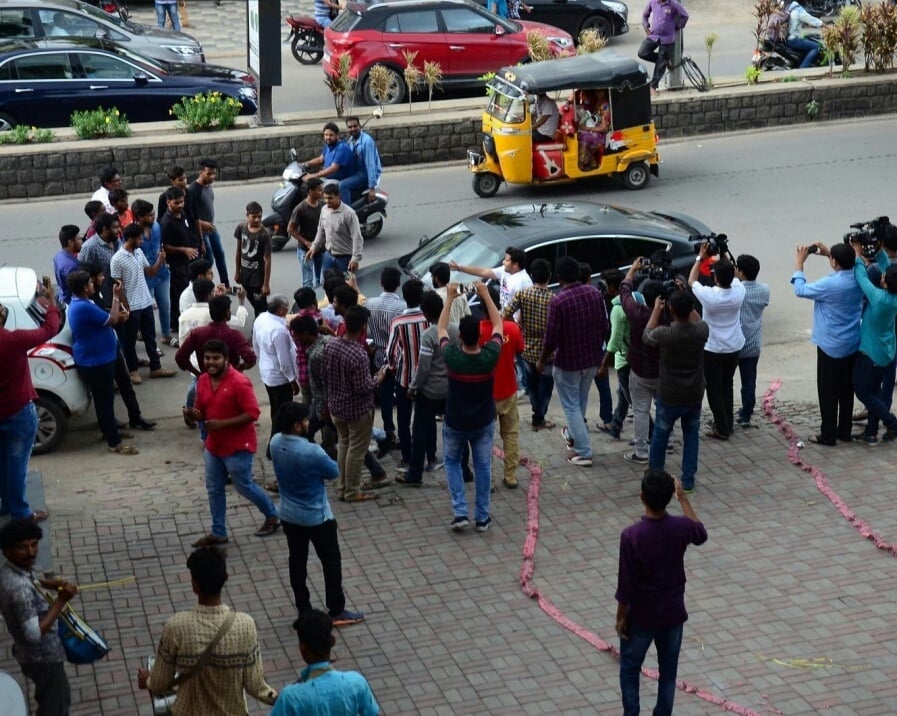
[{"x": 790, "y": 604}]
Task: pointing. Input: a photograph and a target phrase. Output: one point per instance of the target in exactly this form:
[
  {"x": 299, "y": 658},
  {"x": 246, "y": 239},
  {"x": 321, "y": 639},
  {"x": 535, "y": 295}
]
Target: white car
[{"x": 62, "y": 394}]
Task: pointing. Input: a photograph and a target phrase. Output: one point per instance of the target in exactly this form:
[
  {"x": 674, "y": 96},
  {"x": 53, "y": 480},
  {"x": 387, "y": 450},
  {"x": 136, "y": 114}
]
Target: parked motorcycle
[
  {"x": 292, "y": 191},
  {"x": 306, "y": 39}
]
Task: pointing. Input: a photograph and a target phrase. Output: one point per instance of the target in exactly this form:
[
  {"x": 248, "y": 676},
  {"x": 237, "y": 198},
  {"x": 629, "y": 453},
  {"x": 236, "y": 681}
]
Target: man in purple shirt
[
  {"x": 651, "y": 589},
  {"x": 575, "y": 332},
  {"x": 661, "y": 20}
]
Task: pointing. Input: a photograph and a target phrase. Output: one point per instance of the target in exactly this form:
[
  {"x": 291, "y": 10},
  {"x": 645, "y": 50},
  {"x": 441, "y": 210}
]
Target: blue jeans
[
  {"x": 573, "y": 391},
  {"x": 623, "y": 399},
  {"x": 170, "y": 9},
  {"x": 803, "y": 45},
  {"x": 540, "y": 388},
  {"x": 214, "y": 250},
  {"x": 605, "y": 398},
  {"x": 161, "y": 290},
  {"x": 664, "y": 421},
  {"x": 747, "y": 371},
  {"x": 310, "y": 270},
  {"x": 632, "y": 654},
  {"x": 239, "y": 467},
  {"x": 867, "y": 383},
  {"x": 330, "y": 262},
  {"x": 453, "y": 442},
  {"x": 17, "y": 435},
  {"x": 352, "y": 185}
]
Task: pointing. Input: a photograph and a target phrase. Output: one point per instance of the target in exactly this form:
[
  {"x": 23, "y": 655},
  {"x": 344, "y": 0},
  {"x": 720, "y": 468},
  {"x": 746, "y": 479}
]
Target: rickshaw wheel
[
  {"x": 486, "y": 184},
  {"x": 636, "y": 176}
]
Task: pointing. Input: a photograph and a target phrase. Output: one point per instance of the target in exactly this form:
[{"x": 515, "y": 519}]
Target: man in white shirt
[
  {"x": 276, "y": 351},
  {"x": 722, "y": 313},
  {"x": 109, "y": 179},
  {"x": 545, "y": 119},
  {"x": 511, "y": 275}
]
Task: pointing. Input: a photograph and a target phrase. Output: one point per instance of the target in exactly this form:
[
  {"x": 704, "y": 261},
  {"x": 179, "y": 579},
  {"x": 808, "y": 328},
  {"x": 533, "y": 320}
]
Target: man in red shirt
[
  {"x": 226, "y": 402},
  {"x": 18, "y": 416},
  {"x": 504, "y": 389}
]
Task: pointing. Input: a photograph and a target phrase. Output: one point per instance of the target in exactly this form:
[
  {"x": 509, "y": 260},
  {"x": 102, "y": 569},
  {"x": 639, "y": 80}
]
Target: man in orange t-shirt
[{"x": 505, "y": 390}]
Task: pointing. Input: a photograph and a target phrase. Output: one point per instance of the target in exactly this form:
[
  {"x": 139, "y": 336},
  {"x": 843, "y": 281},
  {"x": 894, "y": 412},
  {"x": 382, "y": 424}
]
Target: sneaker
[
  {"x": 580, "y": 461},
  {"x": 632, "y": 457},
  {"x": 402, "y": 467},
  {"x": 566, "y": 435},
  {"x": 162, "y": 373},
  {"x": 870, "y": 440},
  {"x": 459, "y": 523},
  {"x": 483, "y": 526},
  {"x": 135, "y": 378},
  {"x": 689, "y": 490},
  {"x": 347, "y": 618},
  {"x": 743, "y": 422},
  {"x": 434, "y": 466}
]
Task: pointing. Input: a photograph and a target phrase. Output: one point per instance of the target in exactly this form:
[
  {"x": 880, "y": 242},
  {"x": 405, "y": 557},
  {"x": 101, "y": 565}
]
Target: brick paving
[{"x": 791, "y": 610}]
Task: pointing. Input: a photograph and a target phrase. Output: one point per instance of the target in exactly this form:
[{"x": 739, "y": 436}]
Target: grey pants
[
  {"x": 642, "y": 392},
  {"x": 51, "y": 688}
]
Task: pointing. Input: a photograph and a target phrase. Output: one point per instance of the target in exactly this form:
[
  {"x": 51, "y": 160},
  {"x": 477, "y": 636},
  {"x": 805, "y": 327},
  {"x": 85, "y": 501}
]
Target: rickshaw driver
[{"x": 545, "y": 119}]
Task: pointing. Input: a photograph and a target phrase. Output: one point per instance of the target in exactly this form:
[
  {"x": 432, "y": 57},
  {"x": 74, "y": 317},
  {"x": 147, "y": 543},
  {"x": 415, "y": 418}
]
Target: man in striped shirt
[{"x": 402, "y": 354}]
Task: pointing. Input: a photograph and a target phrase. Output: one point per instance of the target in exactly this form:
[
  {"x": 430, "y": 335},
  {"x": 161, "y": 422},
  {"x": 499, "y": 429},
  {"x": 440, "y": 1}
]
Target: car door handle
[
  {"x": 456, "y": 47},
  {"x": 396, "y": 45},
  {"x": 99, "y": 87},
  {"x": 22, "y": 89}
]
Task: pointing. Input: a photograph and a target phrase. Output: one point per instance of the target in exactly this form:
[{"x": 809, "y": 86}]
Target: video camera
[
  {"x": 716, "y": 244},
  {"x": 869, "y": 234},
  {"x": 658, "y": 266}
]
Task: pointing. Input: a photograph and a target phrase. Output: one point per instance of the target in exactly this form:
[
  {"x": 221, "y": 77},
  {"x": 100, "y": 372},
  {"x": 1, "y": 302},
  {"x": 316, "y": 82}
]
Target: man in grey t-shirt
[{"x": 680, "y": 386}]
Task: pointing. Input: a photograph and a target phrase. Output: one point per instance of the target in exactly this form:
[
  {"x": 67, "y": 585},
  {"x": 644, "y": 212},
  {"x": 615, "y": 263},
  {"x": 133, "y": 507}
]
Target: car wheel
[
  {"x": 309, "y": 39},
  {"x": 636, "y": 176},
  {"x": 486, "y": 184},
  {"x": 52, "y": 425},
  {"x": 7, "y": 122},
  {"x": 596, "y": 22},
  {"x": 395, "y": 93},
  {"x": 372, "y": 230}
]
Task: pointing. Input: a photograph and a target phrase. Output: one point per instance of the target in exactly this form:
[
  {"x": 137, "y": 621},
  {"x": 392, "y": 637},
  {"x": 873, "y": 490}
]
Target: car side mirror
[
  {"x": 294, "y": 155},
  {"x": 423, "y": 239},
  {"x": 141, "y": 79},
  {"x": 100, "y": 34},
  {"x": 499, "y": 30}
]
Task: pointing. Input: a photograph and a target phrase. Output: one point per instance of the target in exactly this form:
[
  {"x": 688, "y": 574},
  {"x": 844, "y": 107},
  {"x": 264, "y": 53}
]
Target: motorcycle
[
  {"x": 776, "y": 56},
  {"x": 292, "y": 191},
  {"x": 306, "y": 39}
]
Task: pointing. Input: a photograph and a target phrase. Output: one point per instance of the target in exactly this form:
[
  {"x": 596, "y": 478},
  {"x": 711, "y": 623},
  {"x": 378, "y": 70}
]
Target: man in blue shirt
[
  {"x": 301, "y": 468},
  {"x": 367, "y": 164},
  {"x": 336, "y": 159},
  {"x": 66, "y": 259},
  {"x": 335, "y": 693},
  {"x": 837, "y": 306}
]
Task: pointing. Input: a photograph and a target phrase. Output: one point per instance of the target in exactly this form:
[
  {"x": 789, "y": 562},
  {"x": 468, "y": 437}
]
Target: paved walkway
[{"x": 791, "y": 606}]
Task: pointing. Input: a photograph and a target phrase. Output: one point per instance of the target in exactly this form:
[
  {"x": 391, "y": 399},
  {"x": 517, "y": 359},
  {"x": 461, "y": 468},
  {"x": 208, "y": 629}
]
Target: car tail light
[
  {"x": 56, "y": 352},
  {"x": 247, "y": 77},
  {"x": 345, "y": 42}
]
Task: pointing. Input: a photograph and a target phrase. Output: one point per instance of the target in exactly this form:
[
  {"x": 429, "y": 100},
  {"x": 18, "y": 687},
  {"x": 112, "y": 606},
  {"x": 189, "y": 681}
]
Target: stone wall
[{"x": 70, "y": 167}]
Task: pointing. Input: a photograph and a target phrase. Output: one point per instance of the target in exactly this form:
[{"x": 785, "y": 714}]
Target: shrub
[
  {"x": 413, "y": 75},
  {"x": 96, "y": 123},
  {"x": 590, "y": 41},
  {"x": 205, "y": 111},
  {"x": 752, "y": 75},
  {"x": 539, "y": 47},
  {"x": 432, "y": 78},
  {"x": 879, "y": 35},
  {"x": 23, "y": 134},
  {"x": 847, "y": 34},
  {"x": 342, "y": 85}
]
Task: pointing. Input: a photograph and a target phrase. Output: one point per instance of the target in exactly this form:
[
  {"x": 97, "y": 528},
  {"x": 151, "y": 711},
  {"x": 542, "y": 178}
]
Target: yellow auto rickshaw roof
[{"x": 603, "y": 69}]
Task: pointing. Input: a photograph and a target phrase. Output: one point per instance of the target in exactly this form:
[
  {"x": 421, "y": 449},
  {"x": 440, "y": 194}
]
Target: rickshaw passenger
[
  {"x": 593, "y": 129},
  {"x": 545, "y": 119}
]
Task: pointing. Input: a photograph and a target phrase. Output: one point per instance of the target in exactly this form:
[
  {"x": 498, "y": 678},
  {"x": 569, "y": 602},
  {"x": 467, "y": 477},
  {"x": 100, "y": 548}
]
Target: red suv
[{"x": 465, "y": 39}]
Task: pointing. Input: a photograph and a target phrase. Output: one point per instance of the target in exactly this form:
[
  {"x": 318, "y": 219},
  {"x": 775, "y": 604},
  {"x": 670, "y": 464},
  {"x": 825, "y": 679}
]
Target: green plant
[
  {"x": 879, "y": 35},
  {"x": 709, "y": 41},
  {"x": 829, "y": 47},
  {"x": 413, "y": 75},
  {"x": 23, "y": 134},
  {"x": 764, "y": 10},
  {"x": 432, "y": 78},
  {"x": 789, "y": 78},
  {"x": 341, "y": 85},
  {"x": 752, "y": 75},
  {"x": 205, "y": 111},
  {"x": 590, "y": 40},
  {"x": 95, "y": 123},
  {"x": 812, "y": 108},
  {"x": 539, "y": 47},
  {"x": 844, "y": 37},
  {"x": 486, "y": 78},
  {"x": 379, "y": 80}
]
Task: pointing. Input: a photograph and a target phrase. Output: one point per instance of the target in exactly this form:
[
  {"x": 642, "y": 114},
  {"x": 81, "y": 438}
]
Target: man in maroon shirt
[
  {"x": 18, "y": 416},
  {"x": 239, "y": 353},
  {"x": 226, "y": 402},
  {"x": 651, "y": 588}
]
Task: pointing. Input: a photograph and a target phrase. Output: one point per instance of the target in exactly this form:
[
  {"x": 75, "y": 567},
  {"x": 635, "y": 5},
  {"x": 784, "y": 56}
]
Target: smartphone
[
  {"x": 347, "y": 275},
  {"x": 47, "y": 281},
  {"x": 812, "y": 249},
  {"x": 234, "y": 290}
]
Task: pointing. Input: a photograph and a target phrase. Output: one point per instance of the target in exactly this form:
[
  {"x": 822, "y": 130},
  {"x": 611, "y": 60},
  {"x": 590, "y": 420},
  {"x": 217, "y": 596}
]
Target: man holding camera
[{"x": 837, "y": 306}]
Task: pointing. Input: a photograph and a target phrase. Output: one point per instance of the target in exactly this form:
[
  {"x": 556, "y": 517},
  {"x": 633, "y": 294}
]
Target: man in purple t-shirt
[
  {"x": 661, "y": 20},
  {"x": 651, "y": 589}
]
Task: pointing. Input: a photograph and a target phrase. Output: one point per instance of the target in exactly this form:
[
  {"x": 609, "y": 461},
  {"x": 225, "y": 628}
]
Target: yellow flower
[{"x": 108, "y": 119}]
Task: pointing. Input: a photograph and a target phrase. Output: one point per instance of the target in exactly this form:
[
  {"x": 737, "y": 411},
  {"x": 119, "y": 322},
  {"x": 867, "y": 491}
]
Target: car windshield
[
  {"x": 346, "y": 20},
  {"x": 505, "y": 107},
  {"x": 457, "y": 243},
  {"x": 115, "y": 19}
]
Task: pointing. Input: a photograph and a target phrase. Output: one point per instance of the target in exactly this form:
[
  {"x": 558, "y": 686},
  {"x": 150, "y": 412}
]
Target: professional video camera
[
  {"x": 716, "y": 244},
  {"x": 658, "y": 266},
  {"x": 869, "y": 234}
]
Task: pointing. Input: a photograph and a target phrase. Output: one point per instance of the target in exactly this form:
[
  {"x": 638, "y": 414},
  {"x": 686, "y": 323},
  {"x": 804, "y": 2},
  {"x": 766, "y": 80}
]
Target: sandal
[
  {"x": 546, "y": 425},
  {"x": 210, "y": 540},
  {"x": 269, "y": 527},
  {"x": 123, "y": 449},
  {"x": 363, "y": 497},
  {"x": 38, "y": 515},
  {"x": 817, "y": 440},
  {"x": 376, "y": 484}
]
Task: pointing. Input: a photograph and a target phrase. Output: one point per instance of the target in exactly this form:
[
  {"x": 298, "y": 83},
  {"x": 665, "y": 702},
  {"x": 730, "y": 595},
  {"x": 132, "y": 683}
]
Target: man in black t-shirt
[
  {"x": 253, "y": 262},
  {"x": 304, "y": 227},
  {"x": 182, "y": 245}
]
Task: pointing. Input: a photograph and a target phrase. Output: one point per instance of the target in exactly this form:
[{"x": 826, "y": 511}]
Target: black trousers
[
  {"x": 140, "y": 321},
  {"x": 100, "y": 380},
  {"x": 179, "y": 281},
  {"x": 126, "y": 389},
  {"x": 834, "y": 384},
  {"x": 719, "y": 373},
  {"x": 326, "y": 544},
  {"x": 51, "y": 688},
  {"x": 277, "y": 396}
]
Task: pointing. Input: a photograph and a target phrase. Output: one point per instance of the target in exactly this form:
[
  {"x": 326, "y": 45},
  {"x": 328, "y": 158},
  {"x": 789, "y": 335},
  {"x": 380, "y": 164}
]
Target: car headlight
[
  {"x": 183, "y": 50},
  {"x": 617, "y": 7},
  {"x": 561, "y": 41}
]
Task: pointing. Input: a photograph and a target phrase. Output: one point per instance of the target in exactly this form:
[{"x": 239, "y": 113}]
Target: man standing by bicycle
[{"x": 661, "y": 20}]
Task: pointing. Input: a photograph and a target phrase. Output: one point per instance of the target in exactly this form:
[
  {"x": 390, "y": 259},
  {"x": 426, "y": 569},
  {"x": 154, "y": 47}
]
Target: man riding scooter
[
  {"x": 798, "y": 20},
  {"x": 367, "y": 164}
]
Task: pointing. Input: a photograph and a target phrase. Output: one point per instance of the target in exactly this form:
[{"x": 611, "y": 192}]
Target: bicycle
[{"x": 692, "y": 73}]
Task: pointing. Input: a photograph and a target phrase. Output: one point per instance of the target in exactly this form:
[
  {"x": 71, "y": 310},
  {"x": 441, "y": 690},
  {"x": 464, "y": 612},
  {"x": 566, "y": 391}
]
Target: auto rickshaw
[{"x": 605, "y": 125}]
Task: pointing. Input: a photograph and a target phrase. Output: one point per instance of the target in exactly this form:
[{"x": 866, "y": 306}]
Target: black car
[
  {"x": 42, "y": 86},
  {"x": 602, "y": 235},
  {"x": 608, "y": 17}
]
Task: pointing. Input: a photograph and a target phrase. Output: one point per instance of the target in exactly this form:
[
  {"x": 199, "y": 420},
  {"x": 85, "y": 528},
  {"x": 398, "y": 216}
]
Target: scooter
[
  {"x": 306, "y": 39},
  {"x": 292, "y": 191}
]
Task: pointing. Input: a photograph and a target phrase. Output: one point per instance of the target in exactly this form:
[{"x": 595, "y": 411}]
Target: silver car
[{"x": 45, "y": 19}]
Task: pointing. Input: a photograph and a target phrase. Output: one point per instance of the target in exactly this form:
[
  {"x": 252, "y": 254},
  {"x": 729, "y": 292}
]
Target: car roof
[
  {"x": 363, "y": 5},
  {"x": 43, "y": 3},
  {"x": 17, "y": 283},
  {"x": 57, "y": 44},
  {"x": 604, "y": 68}
]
